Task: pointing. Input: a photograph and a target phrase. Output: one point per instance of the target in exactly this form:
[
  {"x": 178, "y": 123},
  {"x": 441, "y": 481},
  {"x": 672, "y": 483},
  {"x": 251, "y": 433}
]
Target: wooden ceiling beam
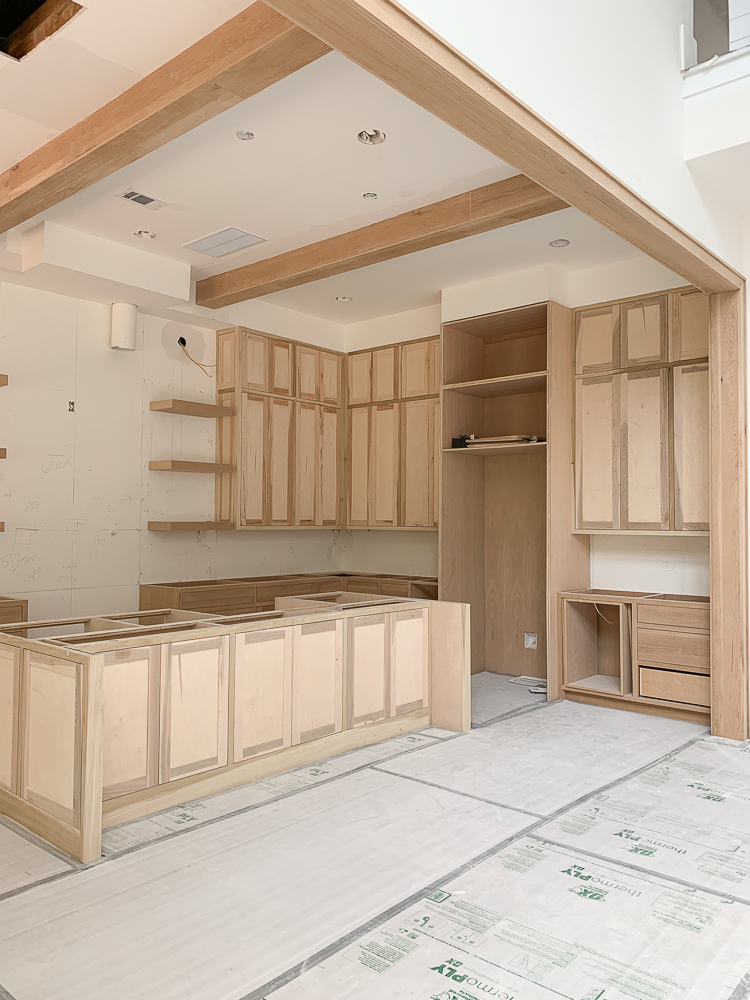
[
  {"x": 250, "y": 52},
  {"x": 501, "y": 204}
]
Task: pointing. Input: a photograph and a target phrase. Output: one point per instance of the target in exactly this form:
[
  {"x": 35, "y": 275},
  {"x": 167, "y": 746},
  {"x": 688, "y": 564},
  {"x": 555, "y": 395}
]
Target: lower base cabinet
[
  {"x": 317, "y": 670},
  {"x": 262, "y": 692}
]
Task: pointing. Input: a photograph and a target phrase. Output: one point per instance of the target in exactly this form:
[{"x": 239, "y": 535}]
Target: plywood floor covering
[{"x": 564, "y": 851}]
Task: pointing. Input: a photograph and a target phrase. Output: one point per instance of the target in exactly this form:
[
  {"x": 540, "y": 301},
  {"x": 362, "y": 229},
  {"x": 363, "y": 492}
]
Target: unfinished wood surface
[
  {"x": 690, "y": 649},
  {"x": 281, "y": 367},
  {"x": 644, "y": 472},
  {"x": 516, "y": 356},
  {"x": 308, "y": 372},
  {"x": 503, "y": 203},
  {"x": 515, "y": 563},
  {"x": 225, "y": 359},
  {"x": 434, "y": 517},
  {"x": 597, "y": 340},
  {"x": 190, "y": 525},
  {"x": 262, "y": 705},
  {"x": 368, "y": 670},
  {"x": 690, "y": 321},
  {"x": 671, "y": 685},
  {"x": 280, "y": 461},
  {"x": 187, "y": 408},
  {"x": 13, "y": 609},
  {"x": 409, "y": 660},
  {"x": 415, "y": 368},
  {"x": 242, "y": 57},
  {"x": 253, "y": 459},
  {"x": 317, "y": 680},
  {"x": 10, "y": 693},
  {"x": 130, "y": 690},
  {"x": 225, "y": 456},
  {"x": 330, "y": 377},
  {"x": 194, "y": 707},
  {"x": 451, "y": 667},
  {"x": 384, "y": 467},
  {"x": 359, "y": 367},
  {"x": 679, "y": 614},
  {"x": 384, "y": 374},
  {"x": 692, "y": 443},
  {"x": 728, "y": 520},
  {"x": 463, "y": 355},
  {"x": 359, "y": 466},
  {"x": 434, "y": 361},
  {"x": 417, "y": 462},
  {"x": 254, "y": 361},
  {"x": 597, "y": 452},
  {"x": 306, "y": 463},
  {"x": 175, "y": 465},
  {"x": 643, "y": 331},
  {"x": 329, "y": 478},
  {"x": 40, "y": 25}
]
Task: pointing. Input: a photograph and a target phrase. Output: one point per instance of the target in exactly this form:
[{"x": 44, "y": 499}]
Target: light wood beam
[
  {"x": 389, "y": 42},
  {"x": 244, "y": 56},
  {"x": 501, "y": 204}
]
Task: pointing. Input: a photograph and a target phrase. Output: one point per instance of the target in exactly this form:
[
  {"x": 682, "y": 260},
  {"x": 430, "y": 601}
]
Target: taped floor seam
[{"x": 455, "y": 791}]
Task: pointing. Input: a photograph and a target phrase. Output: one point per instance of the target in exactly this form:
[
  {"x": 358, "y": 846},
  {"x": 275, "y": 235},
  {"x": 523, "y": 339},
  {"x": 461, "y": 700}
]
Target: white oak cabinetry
[
  {"x": 642, "y": 415},
  {"x": 285, "y": 445},
  {"x": 393, "y": 455}
]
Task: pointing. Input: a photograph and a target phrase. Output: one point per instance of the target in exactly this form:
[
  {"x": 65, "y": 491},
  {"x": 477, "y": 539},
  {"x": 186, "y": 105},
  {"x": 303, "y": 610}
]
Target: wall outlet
[{"x": 529, "y": 640}]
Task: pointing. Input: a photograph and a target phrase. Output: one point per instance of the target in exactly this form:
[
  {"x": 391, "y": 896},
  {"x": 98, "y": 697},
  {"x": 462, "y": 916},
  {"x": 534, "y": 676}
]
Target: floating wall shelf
[
  {"x": 188, "y": 408},
  {"x": 173, "y": 465},
  {"x": 189, "y": 525}
]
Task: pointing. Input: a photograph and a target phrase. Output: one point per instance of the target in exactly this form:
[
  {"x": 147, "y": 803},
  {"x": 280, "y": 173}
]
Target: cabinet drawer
[
  {"x": 360, "y": 585},
  {"x": 394, "y": 588},
  {"x": 685, "y": 615},
  {"x": 269, "y": 592},
  {"x": 690, "y": 649},
  {"x": 670, "y": 685}
]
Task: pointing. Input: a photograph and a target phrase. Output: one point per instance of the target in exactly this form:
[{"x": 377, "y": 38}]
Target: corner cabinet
[{"x": 642, "y": 416}]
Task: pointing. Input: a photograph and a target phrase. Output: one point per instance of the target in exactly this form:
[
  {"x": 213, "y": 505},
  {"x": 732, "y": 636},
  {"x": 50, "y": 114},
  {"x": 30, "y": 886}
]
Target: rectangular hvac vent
[
  {"x": 138, "y": 198},
  {"x": 223, "y": 243}
]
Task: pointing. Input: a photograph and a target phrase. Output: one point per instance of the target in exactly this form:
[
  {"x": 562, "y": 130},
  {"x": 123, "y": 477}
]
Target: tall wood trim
[
  {"x": 729, "y": 667},
  {"x": 244, "y": 56}
]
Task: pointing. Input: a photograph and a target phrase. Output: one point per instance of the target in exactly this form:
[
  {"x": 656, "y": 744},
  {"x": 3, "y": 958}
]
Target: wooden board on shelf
[
  {"x": 187, "y": 408},
  {"x": 510, "y": 385},
  {"x": 174, "y": 465}
]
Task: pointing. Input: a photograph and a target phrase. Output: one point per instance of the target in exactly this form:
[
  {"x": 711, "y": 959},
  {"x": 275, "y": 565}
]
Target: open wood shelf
[
  {"x": 487, "y": 451},
  {"x": 188, "y": 408},
  {"x": 508, "y": 385},
  {"x": 189, "y": 525},
  {"x": 3, "y": 380},
  {"x": 174, "y": 465},
  {"x": 3, "y": 453},
  {"x": 600, "y": 683}
]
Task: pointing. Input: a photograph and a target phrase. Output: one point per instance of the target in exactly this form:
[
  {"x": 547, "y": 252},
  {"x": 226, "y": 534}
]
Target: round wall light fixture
[
  {"x": 371, "y": 137},
  {"x": 244, "y": 134},
  {"x": 559, "y": 243},
  {"x": 144, "y": 234}
]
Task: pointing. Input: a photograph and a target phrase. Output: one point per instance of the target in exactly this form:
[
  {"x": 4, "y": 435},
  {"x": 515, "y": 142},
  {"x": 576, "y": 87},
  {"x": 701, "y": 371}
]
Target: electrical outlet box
[{"x": 529, "y": 640}]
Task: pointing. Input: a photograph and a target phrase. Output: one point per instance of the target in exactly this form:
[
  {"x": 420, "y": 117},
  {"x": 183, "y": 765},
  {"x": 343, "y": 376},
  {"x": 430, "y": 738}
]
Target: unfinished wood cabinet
[
  {"x": 644, "y": 473},
  {"x": 307, "y": 463},
  {"x": 359, "y": 367},
  {"x": 329, "y": 477},
  {"x": 279, "y": 475},
  {"x": 691, "y": 448},
  {"x": 643, "y": 331},
  {"x": 368, "y": 670},
  {"x": 262, "y": 692},
  {"x": 10, "y": 681},
  {"x": 359, "y": 466},
  {"x": 597, "y": 340},
  {"x": 597, "y": 452},
  {"x": 596, "y": 644},
  {"x": 409, "y": 660},
  {"x": 434, "y": 361},
  {"x": 384, "y": 465},
  {"x": 194, "y": 707},
  {"x": 225, "y": 456},
  {"x": 281, "y": 367},
  {"x": 308, "y": 372},
  {"x": 225, "y": 352},
  {"x": 317, "y": 680},
  {"x": 689, "y": 325},
  {"x": 416, "y": 377},
  {"x": 419, "y": 430},
  {"x": 254, "y": 361},
  {"x": 385, "y": 374},
  {"x": 130, "y": 729},
  {"x": 330, "y": 378},
  {"x": 253, "y": 459}
]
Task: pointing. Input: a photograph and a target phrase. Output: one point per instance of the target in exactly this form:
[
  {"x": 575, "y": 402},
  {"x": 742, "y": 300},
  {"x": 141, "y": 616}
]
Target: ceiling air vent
[
  {"x": 142, "y": 199},
  {"x": 225, "y": 242}
]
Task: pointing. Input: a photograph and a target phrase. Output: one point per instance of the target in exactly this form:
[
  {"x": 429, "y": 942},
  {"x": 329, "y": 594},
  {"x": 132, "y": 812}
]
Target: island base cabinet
[
  {"x": 262, "y": 692},
  {"x": 317, "y": 680},
  {"x": 409, "y": 661},
  {"x": 131, "y": 720}
]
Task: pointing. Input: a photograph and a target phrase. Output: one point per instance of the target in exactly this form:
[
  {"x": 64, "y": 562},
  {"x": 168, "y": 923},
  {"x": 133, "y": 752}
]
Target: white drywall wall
[
  {"x": 393, "y": 329},
  {"x": 669, "y": 565}
]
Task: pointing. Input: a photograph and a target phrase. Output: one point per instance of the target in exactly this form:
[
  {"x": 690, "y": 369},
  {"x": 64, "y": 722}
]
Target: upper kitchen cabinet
[
  {"x": 597, "y": 340},
  {"x": 360, "y": 374},
  {"x": 385, "y": 374},
  {"x": 689, "y": 326},
  {"x": 643, "y": 332},
  {"x": 254, "y": 355}
]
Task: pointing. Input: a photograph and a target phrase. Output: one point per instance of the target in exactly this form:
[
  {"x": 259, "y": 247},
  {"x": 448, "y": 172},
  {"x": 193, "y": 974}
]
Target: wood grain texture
[
  {"x": 644, "y": 450},
  {"x": 598, "y": 452},
  {"x": 690, "y": 322},
  {"x": 643, "y": 331},
  {"x": 384, "y": 464},
  {"x": 692, "y": 447},
  {"x": 671, "y": 685},
  {"x": 451, "y": 666},
  {"x": 187, "y": 408},
  {"x": 503, "y": 203},
  {"x": 39, "y": 26},
  {"x": 597, "y": 339},
  {"x": 244, "y": 56}
]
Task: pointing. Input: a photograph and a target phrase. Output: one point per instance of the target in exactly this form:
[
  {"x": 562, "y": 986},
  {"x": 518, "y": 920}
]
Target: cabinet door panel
[
  {"x": 597, "y": 340},
  {"x": 415, "y": 369},
  {"x": 435, "y": 367},
  {"x": 224, "y": 500},
  {"x": 307, "y": 463},
  {"x": 385, "y": 374},
  {"x": 317, "y": 690},
  {"x": 384, "y": 465},
  {"x": 308, "y": 372},
  {"x": 280, "y": 438},
  {"x": 644, "y": 332},
  {"x": 329, "y": 499},
  {"x": 330, "y": 377},
  {"x": 359, "y": 367},
  {"x": 417, "y": 458},
  {"x": 10, "y": 679},
  {"x": 359, "y": 465},
  {"x": 281, "y": 378},
  {"x": 436, "y": 459},
  {"x": 254, "y": 361},
  {"x": 691, "y": 448},
  {"x": 262, "y": 692},
  {"x": 644, "y": 476},
  {"x": 689, "y": 326},
  {"x": 195, "y": 707},
  {"x": 130, "y": 692},
  {"x": 597, "y": 452},
  {"x": 368, "y": 674},
  {"x": 225, "y": 340},
  {"x": 409, "y": 661},
  {"x": 253, "y": 458}
]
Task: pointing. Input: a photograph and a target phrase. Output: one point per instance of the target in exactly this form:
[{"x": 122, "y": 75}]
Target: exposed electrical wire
[{"x": 183, "y": 344}]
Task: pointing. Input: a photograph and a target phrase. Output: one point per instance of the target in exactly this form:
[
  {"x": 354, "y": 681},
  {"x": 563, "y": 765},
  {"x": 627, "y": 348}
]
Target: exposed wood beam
[
  {"x": 394, "y": 46},
  {"x": 42, "y": 24},
  {"x": 513, "y": 200},
  {"x": 244, "y": 56}
]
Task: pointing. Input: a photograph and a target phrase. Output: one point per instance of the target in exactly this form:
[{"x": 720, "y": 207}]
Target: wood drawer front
[
  {"x": 269, "y": 592},
  {"x": 394, "y": 588},
  {"x": 670, "y": 685},
  {"x": 688, "y": 648},
  {"x": 682, "y": 615},
  {"x": 360, "y": 585}
]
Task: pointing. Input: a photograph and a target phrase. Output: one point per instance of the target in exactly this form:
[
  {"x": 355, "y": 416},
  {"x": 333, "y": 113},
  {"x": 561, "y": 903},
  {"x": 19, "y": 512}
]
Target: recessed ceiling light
[
  {"x": 373, "y": 138},
  {"x": 559, "y": 243},
  {"x": 370, "y": 194},
  {"x": 244, "y": 134},
  {"x": 343, "y": 298},
  {"x": 144, "y": 234}
]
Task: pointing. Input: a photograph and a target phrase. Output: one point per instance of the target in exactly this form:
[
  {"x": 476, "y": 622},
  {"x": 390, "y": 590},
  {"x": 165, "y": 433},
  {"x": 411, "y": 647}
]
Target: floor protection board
[
  {"x": 214, "y": 915},
  {"x": 688, "y": 817},
  {"x": 493, "y": 695},
  {"x": 23, "y": 862},
  {"x": 540, "y": 922},
  {"x": 542, "y": 761}
]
